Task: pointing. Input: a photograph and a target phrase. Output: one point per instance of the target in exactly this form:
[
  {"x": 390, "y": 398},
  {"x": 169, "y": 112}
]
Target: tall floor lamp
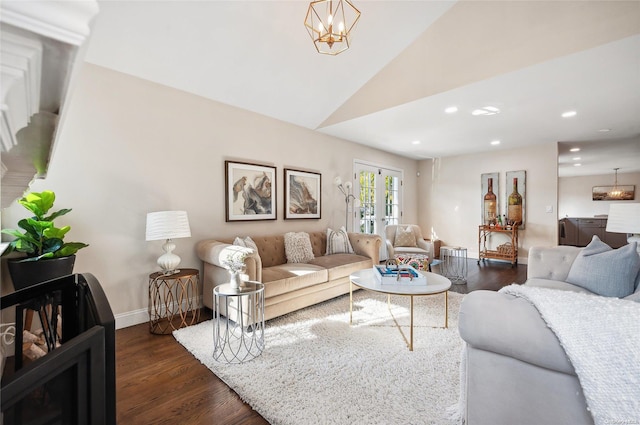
[{"x": 345, "y": 188}]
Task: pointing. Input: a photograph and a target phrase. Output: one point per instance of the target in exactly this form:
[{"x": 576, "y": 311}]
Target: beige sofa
[{"x": 290, "y": 286}]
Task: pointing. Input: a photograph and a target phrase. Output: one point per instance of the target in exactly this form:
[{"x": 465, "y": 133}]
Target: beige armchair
[{"x": 402, "y": 242}]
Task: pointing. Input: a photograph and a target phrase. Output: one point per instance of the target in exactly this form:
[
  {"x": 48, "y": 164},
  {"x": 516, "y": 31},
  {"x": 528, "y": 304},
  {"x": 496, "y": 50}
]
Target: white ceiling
[{"x": 408, "y": 61}]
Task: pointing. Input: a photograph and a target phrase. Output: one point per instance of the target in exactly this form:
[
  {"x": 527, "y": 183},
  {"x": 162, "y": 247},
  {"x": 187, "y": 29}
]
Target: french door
[{"x": 379, "y": 191}]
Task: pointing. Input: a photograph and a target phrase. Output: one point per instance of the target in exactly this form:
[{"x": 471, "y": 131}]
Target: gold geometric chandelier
[
  {"x": 329, "y": 24},
  {"x": 615, "y": 192}
]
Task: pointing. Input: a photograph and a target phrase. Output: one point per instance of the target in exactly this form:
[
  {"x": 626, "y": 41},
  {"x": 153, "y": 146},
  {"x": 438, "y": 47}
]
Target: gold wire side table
[
  {"x": 238, "y": 327},
  {"x": 173, "y": 301}
]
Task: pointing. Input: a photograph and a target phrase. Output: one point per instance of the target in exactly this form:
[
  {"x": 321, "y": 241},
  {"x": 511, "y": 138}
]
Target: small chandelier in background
[
  {"x": 615, "y": 192},
  {"x": 329, "y": 23}
]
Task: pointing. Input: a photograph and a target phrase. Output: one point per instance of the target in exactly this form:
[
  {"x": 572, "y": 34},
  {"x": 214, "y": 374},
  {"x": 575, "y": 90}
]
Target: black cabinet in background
[{"x": 579, "y": 231}]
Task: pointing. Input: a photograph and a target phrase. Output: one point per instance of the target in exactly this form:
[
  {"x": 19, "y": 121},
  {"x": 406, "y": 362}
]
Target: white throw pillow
[
  {"x": 247, "y": 242},
  {"x": 297, "y": 247},
  {"x": 405, "y": 237},
  {"x": 338, "y": 242}
]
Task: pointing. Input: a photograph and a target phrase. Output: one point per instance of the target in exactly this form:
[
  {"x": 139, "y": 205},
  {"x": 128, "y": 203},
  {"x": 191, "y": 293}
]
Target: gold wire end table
[
  {"x": 238, "y": 327},
  {"x": 173, "y": 301}
]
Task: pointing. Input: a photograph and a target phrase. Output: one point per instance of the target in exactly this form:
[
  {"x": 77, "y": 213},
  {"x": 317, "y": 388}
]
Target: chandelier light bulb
[{"x": 321, "y": 17}]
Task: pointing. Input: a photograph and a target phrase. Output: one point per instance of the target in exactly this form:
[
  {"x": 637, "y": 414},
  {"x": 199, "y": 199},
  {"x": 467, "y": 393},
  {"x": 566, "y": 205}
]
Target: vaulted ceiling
[{"x": 409, "y": 60}]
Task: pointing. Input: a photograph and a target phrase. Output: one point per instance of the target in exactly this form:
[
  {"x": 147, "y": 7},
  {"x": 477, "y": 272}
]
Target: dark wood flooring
[{"x": 159, "y": 382}]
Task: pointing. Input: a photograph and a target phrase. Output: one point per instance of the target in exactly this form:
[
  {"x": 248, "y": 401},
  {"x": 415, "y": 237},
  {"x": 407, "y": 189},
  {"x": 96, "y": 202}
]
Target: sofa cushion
[
  {"x": 246, "y": 242},
  {"x": 606, "y": 271},
  {"x": 342, "y": 265},
  {"x": 338, "y": 242},
  {"x": 297, "y": 247},
  {"x": 404, "y": 237},
  {"x": 290, "y": 277},
  {"x": 555, "y": 284}
]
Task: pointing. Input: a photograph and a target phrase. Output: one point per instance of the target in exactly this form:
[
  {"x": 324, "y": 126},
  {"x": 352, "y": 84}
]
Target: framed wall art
[
  {"x": 613, "y": 193},
  {"x": 302, "y": 193},
  {"x": 489, "y": 185},
  {"x": 250, "y": 191},
  {"x": 515, "y": 191}
]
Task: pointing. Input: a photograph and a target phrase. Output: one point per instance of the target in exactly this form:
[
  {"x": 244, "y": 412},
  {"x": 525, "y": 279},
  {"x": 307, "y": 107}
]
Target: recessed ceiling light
[
  {"x": 574, "y": 150},
  {"x": 604, "y": 130},
  {"x": 577, "y": 165},
  {"x": 451, "y": 110},
  {"x": 577, "y": 158},
  {"x": 486, "y": 110},
  {"x": 569, "y": 114},
  {"x": 495, "y": 142},
  {"x": 415, "y": 142}
]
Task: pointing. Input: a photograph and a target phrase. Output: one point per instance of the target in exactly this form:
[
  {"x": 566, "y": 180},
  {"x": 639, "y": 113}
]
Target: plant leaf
[
  {"x": 54, "y": 232},
  {"x": 70, "y": 248},
  {"x": 21, "y": 236},
  {"x": 22, "y": 245},
  {"x": 38, "y": 202},
  {"x": 57, "y": 214},
  {"x": 51, "y": 245}
]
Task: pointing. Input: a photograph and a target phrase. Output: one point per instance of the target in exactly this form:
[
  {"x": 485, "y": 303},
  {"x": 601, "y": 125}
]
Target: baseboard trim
[
  {"x": 136, "y": 317},
  {"x": 131, "y": 318}
]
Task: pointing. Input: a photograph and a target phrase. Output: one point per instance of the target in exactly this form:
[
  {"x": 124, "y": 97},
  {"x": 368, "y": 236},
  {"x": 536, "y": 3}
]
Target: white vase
[{"x": 235, "y": 280}]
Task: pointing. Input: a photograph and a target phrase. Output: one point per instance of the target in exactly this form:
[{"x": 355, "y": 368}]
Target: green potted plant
[{"x": 47, "y": 255}]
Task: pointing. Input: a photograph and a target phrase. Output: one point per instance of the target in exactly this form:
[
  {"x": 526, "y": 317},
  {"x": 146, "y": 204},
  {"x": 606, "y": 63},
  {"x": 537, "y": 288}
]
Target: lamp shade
[
  {"x": 624, "y": 218},
  {"x": 167, "y": 225}
]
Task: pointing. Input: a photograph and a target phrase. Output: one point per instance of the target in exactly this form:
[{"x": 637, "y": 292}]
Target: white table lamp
[
  {"x": 625, "y": 218},
  {"x": 168, "y": 225}
]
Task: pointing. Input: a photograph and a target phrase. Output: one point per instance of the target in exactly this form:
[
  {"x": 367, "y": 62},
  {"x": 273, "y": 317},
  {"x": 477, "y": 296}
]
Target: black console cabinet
[{"x": 578, "y": 231}]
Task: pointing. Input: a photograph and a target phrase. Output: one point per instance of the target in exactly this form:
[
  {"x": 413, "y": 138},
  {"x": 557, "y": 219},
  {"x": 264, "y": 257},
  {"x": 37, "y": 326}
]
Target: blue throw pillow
[{"x": 606, "y": 271}]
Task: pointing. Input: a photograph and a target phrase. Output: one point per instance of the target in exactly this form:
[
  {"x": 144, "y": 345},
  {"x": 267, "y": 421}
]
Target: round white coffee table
[{"x": 436, "y": 284}]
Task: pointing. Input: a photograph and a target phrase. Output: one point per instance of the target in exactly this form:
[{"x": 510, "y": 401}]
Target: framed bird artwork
[{"x": 250, "y": 191}]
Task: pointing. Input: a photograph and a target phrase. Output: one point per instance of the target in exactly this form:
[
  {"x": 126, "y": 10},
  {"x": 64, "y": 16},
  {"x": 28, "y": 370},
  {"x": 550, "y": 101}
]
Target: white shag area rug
[{"x": 317, "y": 369}]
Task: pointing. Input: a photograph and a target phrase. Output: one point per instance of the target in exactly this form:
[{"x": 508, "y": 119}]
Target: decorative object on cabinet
[
  {"x": 47, "y": 255},
  {"x": 507, "y": 251},
  {"x": 625, "y": 218},
  {"x": 515, "y": 198},
  {"x": 302, "y": 192},
  {"x": 329, "y": 24},
  {"x": 250, "y": 191},
  {"x": 168, "y": 225},
  {"x": 489, "y": 188},
  {"x": 615, "y": 192}
]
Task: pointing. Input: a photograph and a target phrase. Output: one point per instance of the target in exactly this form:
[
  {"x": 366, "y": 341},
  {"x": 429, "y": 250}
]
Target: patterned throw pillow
[
  {"x": 404, "y": 237},
  {"x": 247, "y": 242},
  {"x": 605, "y": 271},
  {"x": 338, "y": 242},
  {"x": 297, "y": 247}
]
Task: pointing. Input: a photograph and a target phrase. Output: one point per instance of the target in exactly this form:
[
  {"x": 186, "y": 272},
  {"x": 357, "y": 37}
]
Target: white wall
[
  {"x": 574, "y": 194},
  {"x": 130, "y": 146},
  {"x": 451, "y": 193}
]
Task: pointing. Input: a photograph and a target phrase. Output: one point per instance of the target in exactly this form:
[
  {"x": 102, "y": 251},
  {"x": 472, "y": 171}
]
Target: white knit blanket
[{"x": 601, "y": 337}]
